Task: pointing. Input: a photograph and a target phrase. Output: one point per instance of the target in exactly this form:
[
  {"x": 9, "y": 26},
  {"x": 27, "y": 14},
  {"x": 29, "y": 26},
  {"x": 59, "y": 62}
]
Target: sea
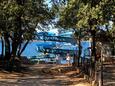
[{"x": 31, "y": 49}]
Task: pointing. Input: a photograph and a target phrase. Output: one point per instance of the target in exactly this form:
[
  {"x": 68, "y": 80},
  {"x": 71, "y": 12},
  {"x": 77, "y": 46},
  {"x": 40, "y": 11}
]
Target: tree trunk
[
  {"x": 79, "y": 46},
  {"x": 7, "y": 56},
  {"x": 75, "y": 60},
  {"x": 14, "y": 48},
  {"x": 101, "y": 70},
  {"x": 7, "y": 47},
  {"x": 2, "y": 53},
  {"x": 14, "y": 61},
  {"x": 93, "y": 54},
  {"x": 93, "y": 33},
  {"x": 21, "y": 51},
  {"x": 79, "y": 52}
]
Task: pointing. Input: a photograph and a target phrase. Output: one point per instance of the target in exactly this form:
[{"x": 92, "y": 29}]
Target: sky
[
  {"x": 51, "y": 28},
  {"x": 49, "y": 3}
]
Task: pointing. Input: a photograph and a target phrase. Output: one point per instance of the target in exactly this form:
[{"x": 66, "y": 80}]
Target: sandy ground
[{"x": 34, "y": 77}]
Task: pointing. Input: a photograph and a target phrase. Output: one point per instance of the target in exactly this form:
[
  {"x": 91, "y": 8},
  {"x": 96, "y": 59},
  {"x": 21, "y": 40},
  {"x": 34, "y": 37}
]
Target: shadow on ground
[{"x": 42, "y": 75}]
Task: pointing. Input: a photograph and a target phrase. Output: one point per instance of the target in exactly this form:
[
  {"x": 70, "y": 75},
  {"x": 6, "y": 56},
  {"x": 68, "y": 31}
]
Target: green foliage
[
  {"x": 30, "y": 13},
  {"x": 78, "y": 13},
  {"x": 19, "y": 18}
]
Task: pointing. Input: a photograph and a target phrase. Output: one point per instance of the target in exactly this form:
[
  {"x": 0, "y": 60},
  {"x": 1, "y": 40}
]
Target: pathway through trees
[{"x": 50, "y": 76}]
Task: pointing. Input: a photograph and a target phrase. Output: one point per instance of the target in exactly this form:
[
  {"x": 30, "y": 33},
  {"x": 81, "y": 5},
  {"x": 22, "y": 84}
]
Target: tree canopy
[
  {"x": 79, "y": 13},
  {"x": 18, "y": 20},
  {"x": 88, "y": 15}
]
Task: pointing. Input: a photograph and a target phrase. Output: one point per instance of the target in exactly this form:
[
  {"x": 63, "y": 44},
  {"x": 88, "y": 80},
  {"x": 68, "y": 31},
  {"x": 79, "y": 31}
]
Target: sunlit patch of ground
[
  {"x": 82, "y": 84},
  {"x": 43, "y": 75}
]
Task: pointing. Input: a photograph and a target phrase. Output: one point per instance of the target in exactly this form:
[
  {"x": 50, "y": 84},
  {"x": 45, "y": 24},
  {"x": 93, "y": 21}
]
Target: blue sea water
[
  {"x": 31, "y": 49},
  {"x": 85, "y": 45}
]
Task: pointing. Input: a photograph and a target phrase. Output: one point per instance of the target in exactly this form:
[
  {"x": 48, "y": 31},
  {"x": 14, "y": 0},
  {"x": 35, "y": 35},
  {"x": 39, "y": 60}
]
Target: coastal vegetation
[
  {"x": 18, "y": 22},
  {"x": 92, "y": 20}
]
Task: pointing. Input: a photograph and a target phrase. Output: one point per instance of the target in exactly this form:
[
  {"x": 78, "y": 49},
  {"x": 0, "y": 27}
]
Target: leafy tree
[
  {"x": 87, "y": 14},
  {"x": 18, "y": 20}
]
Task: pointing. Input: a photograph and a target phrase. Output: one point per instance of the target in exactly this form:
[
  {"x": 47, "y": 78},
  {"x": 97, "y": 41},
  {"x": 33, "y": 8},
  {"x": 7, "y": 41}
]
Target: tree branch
[{"x": 24, "y": 47}]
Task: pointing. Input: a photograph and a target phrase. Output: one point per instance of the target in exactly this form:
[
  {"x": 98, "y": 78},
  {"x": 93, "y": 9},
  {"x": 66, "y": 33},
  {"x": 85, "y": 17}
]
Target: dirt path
[
  {"x": 109, "y": 75},
  {"x": 35, "y": 78}
]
